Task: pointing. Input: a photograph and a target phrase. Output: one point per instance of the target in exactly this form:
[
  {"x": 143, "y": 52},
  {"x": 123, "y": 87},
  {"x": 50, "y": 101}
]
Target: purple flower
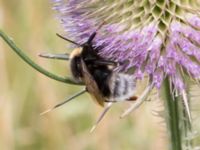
[{"x": 156, "y": 39}]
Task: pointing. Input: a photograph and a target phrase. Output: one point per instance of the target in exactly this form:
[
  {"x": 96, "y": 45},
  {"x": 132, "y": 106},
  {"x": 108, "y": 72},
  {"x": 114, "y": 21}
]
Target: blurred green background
[{"x": 25, "y": 93}]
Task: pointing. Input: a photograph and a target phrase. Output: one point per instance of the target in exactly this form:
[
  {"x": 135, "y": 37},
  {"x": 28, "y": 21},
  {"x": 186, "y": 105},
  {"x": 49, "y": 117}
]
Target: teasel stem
[
  {"x": 177, "y": 120},
  {"x": 24, "y": 57}
]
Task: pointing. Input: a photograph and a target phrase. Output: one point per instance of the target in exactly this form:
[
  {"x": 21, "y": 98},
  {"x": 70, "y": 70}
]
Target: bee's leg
[
  {"x": 108, "y": 106},
  {"x": 55, "y": 56},
  {"x": 106, "y": 62},
  {"x": 101, "y": 61},
  {"x": 133, "y": 98},
  {"x": 109, "y": 101}
]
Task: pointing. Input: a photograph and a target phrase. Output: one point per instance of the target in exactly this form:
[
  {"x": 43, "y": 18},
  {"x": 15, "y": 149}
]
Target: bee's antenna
[
  {"x": 91, "y": 37},
  {"x": 101, "y": 116},
  {"x": 54, "y": 56},
  {"x": 64, "y": 38},
  {"x": 94, "y": 33},
  {"x": 62, "y": 103}
]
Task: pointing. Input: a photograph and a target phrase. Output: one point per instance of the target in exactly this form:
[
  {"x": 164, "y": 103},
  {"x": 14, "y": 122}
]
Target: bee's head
[
  {"x": 75, "y": 63},
  {"x": 85, "y": 53}
]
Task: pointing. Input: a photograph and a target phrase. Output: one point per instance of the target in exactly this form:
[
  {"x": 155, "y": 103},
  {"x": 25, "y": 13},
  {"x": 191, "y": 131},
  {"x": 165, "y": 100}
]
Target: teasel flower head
[
  {"x": 158, "y": 38},
  {"x": 151, "y": 38},
  {"x": 155, "y": 38}
]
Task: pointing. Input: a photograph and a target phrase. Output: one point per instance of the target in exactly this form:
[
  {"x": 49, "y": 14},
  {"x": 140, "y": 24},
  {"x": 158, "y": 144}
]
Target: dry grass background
[{"x": 24, "y": 93}]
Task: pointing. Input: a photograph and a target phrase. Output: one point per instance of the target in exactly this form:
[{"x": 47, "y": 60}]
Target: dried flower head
[{"x": 155, "y": 38}]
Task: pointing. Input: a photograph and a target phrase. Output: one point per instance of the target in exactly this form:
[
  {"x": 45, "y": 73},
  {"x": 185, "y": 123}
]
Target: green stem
[
  {"x": 177, "y": 119},
  {"x": 22, "y": 55},
  {"x": 173, "y": 117}
]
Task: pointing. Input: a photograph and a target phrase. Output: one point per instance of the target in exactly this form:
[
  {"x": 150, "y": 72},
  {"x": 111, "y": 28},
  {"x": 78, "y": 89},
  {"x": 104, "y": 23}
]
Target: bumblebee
[
  {"x": 98, "y": 75},
  {"x": 102, "y": 82}
]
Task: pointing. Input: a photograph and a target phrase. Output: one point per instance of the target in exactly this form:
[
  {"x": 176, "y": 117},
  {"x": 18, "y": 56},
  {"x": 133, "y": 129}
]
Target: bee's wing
[{"x": 91, "y": 85}]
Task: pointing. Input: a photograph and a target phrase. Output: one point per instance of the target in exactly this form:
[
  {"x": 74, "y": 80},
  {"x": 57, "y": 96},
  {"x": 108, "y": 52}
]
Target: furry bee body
[
  {"x": 111, "y": 86},
  {"x": 101, "y": 81}
]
